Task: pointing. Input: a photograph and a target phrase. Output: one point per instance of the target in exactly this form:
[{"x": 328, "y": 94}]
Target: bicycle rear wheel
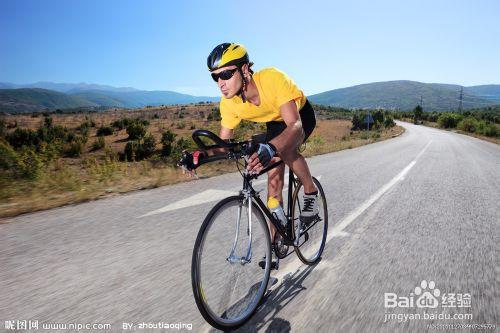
[
  {"x": 313, "y": 237},
  {"x": 228, "y": 291}
]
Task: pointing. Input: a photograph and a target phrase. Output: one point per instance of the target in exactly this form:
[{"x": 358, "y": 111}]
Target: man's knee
[{"x": 290, "y": 155}]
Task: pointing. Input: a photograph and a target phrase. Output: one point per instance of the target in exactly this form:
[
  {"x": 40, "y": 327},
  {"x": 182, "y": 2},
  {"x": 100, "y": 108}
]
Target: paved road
[{"x": 423, "y": 206}]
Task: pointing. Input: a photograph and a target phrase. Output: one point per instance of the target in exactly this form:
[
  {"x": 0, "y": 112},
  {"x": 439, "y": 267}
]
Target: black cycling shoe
[{"x": 275, "y": 264}]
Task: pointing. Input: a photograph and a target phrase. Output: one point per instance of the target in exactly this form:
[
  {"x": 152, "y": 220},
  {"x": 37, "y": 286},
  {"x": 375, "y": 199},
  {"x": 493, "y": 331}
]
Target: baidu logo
[{"x": 424, "y": 296}]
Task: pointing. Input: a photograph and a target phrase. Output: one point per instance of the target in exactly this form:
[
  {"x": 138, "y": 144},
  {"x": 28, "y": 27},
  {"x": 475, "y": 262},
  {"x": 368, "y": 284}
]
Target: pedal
[{"x": 275, "y": 264}]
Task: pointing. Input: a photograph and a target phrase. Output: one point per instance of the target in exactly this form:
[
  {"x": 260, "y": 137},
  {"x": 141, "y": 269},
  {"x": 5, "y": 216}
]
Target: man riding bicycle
[{"x": 269, "y": 96}]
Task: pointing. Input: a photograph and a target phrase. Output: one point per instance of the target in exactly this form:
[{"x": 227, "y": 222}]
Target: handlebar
[
  {"x": 236, "y": 149},
  {"x": 220, "y": 143}
]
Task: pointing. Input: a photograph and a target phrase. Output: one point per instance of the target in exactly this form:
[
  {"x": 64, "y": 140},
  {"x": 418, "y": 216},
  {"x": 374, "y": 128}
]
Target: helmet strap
[{"x": 243, "y": 88}]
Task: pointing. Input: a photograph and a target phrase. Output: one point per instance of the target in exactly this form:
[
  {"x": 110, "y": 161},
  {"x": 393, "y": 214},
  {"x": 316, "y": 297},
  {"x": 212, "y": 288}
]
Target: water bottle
[{"x": 276, "y": 210}]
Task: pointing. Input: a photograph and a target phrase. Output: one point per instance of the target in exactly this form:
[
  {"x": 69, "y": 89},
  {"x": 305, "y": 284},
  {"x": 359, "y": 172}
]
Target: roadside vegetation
[
  {"x": 52, "y": 159},
  {"x": 483, "y": 123}
]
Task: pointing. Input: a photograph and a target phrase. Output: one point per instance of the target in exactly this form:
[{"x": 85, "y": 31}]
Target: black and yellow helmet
[{"x": 227, "y": 54}]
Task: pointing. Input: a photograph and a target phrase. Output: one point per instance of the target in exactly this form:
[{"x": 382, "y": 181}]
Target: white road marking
[
  {"x": 197, "y": 199},
  {"x": 337, "y": 231},
  {"x": 204, "y": 197}
]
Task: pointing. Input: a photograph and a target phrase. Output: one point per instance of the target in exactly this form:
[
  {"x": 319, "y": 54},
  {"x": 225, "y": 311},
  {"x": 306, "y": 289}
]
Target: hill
[
  {"x": 140, "y": 98},
  {"x": 405, "y": 95},
  {"x": 23, "y": 100},
  {"x": 31, "y": 100},
  {"x": 65, "y": 87}
]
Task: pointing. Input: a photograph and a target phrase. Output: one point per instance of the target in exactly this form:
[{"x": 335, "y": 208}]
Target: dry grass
[{"x": 100, "y": 174}]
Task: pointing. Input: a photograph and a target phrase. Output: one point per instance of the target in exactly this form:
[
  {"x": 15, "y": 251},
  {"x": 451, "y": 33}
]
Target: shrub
[
  {"x": 180, "y": 145},
  {"x": 149, "y": 146},
  {"x": 29, "y": 164},
  {"x": 131, "y": 150},
  {"x": 378, "y": 116},
  {"x": 8, "y": 156},
  {"x": 358, "y": 121},
  {"x": 52, "y": 133},
  {"x": 47, "y": 122},
  {"x": 105, "y": 130},
  {"x": 118, "y": 124},
  {"x": 167, "y": 140},
  {"x": 139, "y": 150},
  {"x": 143, "y": 122},
  {"x": 433, "y": 117},
  {"x": 2, "y": 128},
  {"x": 22, "y": 137},
  {"x": 317, "y": 140},
  {"x": 469, "y": 124},
  {"x": 75, "y": 147},
  {"x": 98, "y": 144},
  {"x": 136, "y": 131},
  {"x": 86, "y": 124},
  {"x": 389, "y": 121},
  {"x": 487, "y": 129},
  {"x": 365, "y": 135},
  {"x": 449, "y": 120},
  {"x": 49, "y": 151}
]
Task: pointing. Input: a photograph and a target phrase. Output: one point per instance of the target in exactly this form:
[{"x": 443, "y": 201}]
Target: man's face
[{"x": 230, "y": 87}]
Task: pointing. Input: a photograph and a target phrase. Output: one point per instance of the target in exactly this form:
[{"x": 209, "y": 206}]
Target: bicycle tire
[
  {"x": 311, "y": 260},
  {"x": 210, "y": 315}
]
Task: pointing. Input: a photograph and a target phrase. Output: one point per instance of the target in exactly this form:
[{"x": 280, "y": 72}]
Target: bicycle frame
[
  {"x": 250, "y": 195},
  {"x": 248, "y": 191}
]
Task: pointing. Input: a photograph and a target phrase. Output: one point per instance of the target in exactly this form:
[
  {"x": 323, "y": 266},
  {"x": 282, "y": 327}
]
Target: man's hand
[
  {"x": 260, "y": 159},
  {"x": 189, "y": 162}
]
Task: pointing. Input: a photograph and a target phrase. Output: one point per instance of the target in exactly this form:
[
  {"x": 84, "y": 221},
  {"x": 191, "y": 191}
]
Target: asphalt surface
[{"x": 422, "y": 206}]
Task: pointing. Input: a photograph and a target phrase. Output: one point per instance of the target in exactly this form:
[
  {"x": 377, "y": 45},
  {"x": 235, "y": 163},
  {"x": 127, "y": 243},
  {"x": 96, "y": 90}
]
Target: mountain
[
  {"x": 490, "y": 92},
  {"x": 405, "y": 95},
  {"x": 35, "y": 99},
  {"x": 140, "y": 98},
  {"x": 65, "y": 87},
  {"x": 31, "y": 100}
]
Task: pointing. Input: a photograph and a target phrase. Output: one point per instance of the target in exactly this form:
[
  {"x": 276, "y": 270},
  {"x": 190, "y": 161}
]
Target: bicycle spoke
[{"x": 232, "y": 289}]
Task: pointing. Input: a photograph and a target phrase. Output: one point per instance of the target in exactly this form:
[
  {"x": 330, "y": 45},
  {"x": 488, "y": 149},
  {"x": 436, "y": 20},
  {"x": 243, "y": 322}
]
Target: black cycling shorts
[{"x": 307, "y": 116}]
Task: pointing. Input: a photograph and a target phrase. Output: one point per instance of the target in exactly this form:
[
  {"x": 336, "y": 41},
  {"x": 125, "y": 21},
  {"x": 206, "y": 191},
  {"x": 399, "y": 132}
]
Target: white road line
[
  {"x": 204, "y": 197},
  {"x": 198, "y": 199},
  {"x": 337, "y": 231}
]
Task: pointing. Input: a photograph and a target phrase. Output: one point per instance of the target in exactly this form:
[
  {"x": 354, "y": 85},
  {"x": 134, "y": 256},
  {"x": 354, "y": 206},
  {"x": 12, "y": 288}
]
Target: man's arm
[
  {"x": 293, "y": 134},
  {"x": 225, "y": 134},
  {"x": 288, "y": 140}
]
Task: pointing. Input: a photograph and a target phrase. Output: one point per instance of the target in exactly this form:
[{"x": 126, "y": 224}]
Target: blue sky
[{"x": 322, "y": 45}]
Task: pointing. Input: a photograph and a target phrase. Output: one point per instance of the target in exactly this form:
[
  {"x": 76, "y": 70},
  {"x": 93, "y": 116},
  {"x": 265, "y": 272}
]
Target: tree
[{"x": 417, "y": 114}]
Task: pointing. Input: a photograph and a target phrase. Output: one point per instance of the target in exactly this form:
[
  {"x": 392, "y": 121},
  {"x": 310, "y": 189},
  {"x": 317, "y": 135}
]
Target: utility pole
[
  {"x": 422, "y": 102},
  {"x": 461, "y": 97}
]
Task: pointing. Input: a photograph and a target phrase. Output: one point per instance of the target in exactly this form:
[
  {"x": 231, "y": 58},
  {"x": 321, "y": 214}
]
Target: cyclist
[{"x": 269, "y": 96}]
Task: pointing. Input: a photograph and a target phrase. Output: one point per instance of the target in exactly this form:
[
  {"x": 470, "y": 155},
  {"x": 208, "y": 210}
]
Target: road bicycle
[{"x": 228, "y": 282}]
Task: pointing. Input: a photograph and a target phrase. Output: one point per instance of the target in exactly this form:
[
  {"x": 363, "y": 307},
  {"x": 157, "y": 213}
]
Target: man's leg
[
  {"x": 275, "y": 182},
  {"x": 298, "y": 164}
]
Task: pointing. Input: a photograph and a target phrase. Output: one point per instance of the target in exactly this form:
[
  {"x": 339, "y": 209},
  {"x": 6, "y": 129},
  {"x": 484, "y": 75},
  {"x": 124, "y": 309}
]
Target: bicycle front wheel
[
  {"x": 228, "y": 283},
  {"x": 313, "y": 236}
]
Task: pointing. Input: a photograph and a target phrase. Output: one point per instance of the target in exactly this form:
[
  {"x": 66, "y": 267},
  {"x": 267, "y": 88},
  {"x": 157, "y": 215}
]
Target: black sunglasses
[{"x": 224, "y": 75}]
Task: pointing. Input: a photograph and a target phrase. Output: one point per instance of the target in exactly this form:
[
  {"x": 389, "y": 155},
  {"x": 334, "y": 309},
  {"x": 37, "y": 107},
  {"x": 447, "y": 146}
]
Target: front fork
[{"x": 233, "y": 258}]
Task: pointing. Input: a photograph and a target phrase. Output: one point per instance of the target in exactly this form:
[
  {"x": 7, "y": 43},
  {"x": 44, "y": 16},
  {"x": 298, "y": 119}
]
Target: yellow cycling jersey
[{"x": 275, "y": 89}]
